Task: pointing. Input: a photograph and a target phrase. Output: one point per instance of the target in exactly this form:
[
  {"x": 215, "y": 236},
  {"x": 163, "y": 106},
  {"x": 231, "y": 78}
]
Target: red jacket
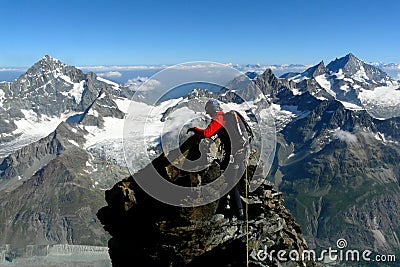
[{"x": 217, "y": 122}]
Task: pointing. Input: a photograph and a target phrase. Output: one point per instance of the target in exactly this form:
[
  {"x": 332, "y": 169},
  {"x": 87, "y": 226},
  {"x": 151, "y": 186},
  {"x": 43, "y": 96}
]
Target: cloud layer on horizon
[{"x": 110, "y": 74}]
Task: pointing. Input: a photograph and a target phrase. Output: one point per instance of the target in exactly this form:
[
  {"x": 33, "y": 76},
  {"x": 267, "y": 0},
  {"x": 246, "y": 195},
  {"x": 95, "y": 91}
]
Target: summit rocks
[{"x": 147, "y": 232}]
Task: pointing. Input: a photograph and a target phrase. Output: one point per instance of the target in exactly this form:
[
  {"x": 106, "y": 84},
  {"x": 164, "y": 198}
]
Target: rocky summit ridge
[{"x": 147, "y": 232}]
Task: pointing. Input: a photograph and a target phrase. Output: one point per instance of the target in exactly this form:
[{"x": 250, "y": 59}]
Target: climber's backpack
[{"x": 238, "y": 130}]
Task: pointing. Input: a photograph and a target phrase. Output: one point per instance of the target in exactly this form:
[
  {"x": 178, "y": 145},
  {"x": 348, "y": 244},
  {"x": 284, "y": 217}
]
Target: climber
[{"x": 233, "y": 144}]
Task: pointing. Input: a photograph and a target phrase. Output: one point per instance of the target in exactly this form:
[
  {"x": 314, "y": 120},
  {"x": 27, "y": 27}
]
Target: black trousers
[{"x": 234, "y": 173}]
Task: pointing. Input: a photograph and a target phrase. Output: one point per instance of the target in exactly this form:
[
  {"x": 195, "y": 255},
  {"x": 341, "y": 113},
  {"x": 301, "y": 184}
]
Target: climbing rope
[{"x": 247, "y": 221}]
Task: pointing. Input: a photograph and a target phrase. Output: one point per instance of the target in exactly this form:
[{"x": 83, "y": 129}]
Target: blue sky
[{"x": 84, "y": 33}]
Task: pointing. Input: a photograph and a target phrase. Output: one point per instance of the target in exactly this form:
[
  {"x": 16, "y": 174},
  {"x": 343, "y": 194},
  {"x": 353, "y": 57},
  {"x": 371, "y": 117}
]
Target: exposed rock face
[
  {"x": 339, "y": 171},
  {"x": 148, "y": 232},
  {"x": 52, "y": 181},
  {"x": 53, "y": 201},
  {"x": 316, "y": 70},
  {"x": 351, "y": 65},
  {"x": 26, "y": 161},
  {"x": 52, "y": 89}
]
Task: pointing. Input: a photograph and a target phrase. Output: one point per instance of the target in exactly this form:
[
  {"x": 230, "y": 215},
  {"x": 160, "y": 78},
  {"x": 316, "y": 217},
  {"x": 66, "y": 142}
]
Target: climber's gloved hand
[{"x": 190, "y": 130}]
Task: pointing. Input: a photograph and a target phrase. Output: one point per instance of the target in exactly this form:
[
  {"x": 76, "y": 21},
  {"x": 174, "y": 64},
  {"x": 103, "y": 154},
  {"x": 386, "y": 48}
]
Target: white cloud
[
  {"x": 150, "y": 84},
  {"x": 197, "y": 66},
  {"x": 345, "y": 136},
  {"x": 143, "y": 84},
  {"x": 205, "y": 65},
  {"x": 189, "y": 66},
  {"x": 135, "y": 83},
  {"x": 120, "y": 68},
  {"x": 13, "y": 69},
  {"x": 110, "y": 74}
]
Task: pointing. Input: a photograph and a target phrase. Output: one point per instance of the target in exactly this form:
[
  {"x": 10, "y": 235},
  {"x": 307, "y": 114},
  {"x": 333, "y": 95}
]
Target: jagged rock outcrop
[
  {"x": 53, "y": 200},
  {"x": 51, "y": 89},
  {"x": 23, "y": 163},
  {"x": 147, "y": 232},
  {"x": 315, "y": 70},
  {"x": 351, "y": 66},
  {"x": 270, "y": 85},
  {"x": 338, "y": 168}
]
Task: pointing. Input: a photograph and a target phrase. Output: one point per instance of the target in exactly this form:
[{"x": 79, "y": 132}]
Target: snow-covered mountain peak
[
  {"x": 50, "y": 59},
  {"x": 354, "y": 83},
  {"x": 359, "y": 71},
  {"x": 347, "y": 62},
  {"x": 46, "y": 65},
  {"x": 48, "y": 93}
]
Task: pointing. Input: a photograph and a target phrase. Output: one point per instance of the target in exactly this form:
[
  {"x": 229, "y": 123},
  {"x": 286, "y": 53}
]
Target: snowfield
[
  {"x": 31, "y": 129},
  {"x": 384, "y": 96},
  {"x": 324, "y": 82},
  {"x": 77, "y": 89},
  {"x": 382, "y": 102}
]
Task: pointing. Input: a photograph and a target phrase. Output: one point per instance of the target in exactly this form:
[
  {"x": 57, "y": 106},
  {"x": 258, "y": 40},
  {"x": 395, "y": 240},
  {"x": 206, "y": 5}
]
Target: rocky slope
[
  {"x": 53, "y": 202},
  {"x": 52, "y": 174},
  {"x": 48, "y": 93},
  {"x": 356, "y": 84},
  {"x": 337, "y": 167},
  {"x": 147, "y": 232}
]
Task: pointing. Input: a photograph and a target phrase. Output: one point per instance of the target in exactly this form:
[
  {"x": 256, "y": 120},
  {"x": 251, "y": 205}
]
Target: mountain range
[
  {"x": 336, "y": 162},
  {"x": 338, "y": 153},
  {"x": 133, "y": 75}
]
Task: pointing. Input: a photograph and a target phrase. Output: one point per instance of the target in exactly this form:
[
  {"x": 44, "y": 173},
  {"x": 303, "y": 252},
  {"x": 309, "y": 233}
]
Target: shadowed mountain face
[
  {"x": 51, "y": 90},
  {"x": 352, "y": 66},
  {"x": 51, "y": 179},
  {"x": 57, "y": 204},
  {"x": 147, "y": 232},
  {"x": 338, "y": 168}
]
